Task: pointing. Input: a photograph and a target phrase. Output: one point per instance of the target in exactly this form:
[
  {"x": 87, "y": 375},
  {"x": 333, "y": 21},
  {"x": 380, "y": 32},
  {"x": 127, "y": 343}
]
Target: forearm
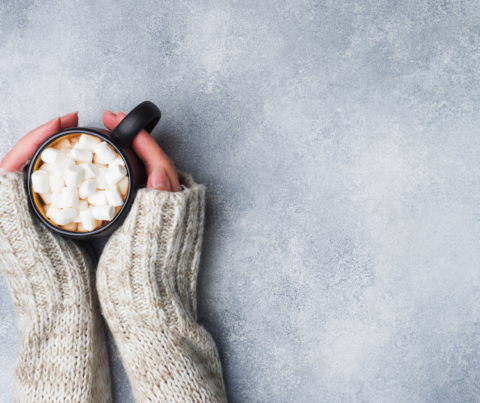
[
  {"x": 146, "y": 282},
  {"x": 50, "y": 281}
]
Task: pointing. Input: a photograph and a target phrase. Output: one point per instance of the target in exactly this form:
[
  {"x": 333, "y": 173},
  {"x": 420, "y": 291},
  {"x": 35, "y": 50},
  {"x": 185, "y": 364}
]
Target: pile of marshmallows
[{"x": 83, "y": 182}]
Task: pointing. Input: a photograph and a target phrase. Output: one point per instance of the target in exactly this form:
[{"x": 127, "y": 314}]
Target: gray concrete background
[{"x": 339, "y": 143}]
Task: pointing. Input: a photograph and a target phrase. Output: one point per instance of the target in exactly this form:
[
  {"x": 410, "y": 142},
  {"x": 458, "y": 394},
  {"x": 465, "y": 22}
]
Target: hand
[
  {"x": 161, "y": 171},
  {"x": 23, "y": 151}
]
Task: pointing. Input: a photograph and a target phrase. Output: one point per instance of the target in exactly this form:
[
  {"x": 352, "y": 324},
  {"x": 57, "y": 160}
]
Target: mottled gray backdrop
[{"x": 339, "y": 142}]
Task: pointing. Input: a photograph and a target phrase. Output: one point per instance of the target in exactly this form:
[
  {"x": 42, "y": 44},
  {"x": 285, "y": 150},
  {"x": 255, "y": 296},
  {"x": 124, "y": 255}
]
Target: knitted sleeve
[
  {"x": 146, "y": 281},
  {"x": 62, "y": 354}
]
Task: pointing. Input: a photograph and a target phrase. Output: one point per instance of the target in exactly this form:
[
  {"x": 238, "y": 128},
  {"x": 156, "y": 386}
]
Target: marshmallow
[
  {"x": 59, "y": 169},
  {"x": 46, "y": 167},
  {"x": 76, "y": 146},
  {"x": 98, "y": 198},
  {"x": 123, "y": 186},
  {"x": 52, "y": 156},
  {"x": 82, "y": 206},
  {"x": 89, "y": 170},
  {"x": 46, "y": 197},
  {"x": 101, "y": 182},
  {"x": 104, "y": 152},
  {"x": 103, "y": 213},
  {"x": 115, "y": 174},
  {"x": 88, "y": 142},
  {"x": 56, "y": 183},
  {"x": 81, "y": 228},
  {"x": 40, "y": 182},
  {"x": 98, "y": 160},
  {"x": 88, "y": 221},
  {"x": 81, "y": 155},
  {"x": 65, "y": 216},
  {"x": 73, "y": 176},
  {"x": 63, "y": 143},
  {"x": 57, "y": 200},
  {"x": 87, "y": 188},
  {"x": 70, "y": 227},
  {"x": 52, "y": 212},
  {"x": 113, "y": 196},
  {"x": 66, "y": 150},
  {"x": 116, "y": 161},
  {"x": 69, "y": 197}
]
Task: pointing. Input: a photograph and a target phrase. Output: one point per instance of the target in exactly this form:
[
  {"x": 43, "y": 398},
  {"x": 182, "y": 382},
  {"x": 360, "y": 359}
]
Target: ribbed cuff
[{"x": 168, "y": 228}]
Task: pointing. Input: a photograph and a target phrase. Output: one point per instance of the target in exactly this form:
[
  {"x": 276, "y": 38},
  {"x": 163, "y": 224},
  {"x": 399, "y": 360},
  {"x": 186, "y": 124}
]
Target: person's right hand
[
  {"x": 161, "y": 171},
  {"x": 19, "y": 155}
]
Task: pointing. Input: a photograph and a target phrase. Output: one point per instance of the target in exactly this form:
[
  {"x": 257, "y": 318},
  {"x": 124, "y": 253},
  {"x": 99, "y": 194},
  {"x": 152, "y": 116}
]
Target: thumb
[{"x": 158, "y": 179}]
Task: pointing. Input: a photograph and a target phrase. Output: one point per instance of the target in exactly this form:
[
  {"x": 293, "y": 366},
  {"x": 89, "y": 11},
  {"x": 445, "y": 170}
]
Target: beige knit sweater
[{"x": 146, "y": 281}]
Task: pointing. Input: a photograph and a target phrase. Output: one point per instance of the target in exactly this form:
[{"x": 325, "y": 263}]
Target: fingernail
[
  {"x": 159, "y": 179},
  {"x": 109, "y": 112},
  {"x": 71, "y": 113},
  {"x": 53, "y": 120}
]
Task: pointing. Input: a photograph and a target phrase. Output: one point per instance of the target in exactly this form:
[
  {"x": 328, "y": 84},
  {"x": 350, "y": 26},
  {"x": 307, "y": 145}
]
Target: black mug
[{"x": 144, "y": 116}]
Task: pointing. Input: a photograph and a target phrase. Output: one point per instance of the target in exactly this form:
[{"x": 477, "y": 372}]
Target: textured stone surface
[{"x": 339, "y": 143}]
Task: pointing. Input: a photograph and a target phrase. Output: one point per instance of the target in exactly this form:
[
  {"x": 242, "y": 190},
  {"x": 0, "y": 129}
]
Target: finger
[
  {"x": 38, "y": 136},
  {"x": 26, "y": 147},
  {"x": 153, "y": 157},
  {"x": 70, "y": 120},
  {"x": 109, "y": 120},
  {"x": 158, "y": 179}
]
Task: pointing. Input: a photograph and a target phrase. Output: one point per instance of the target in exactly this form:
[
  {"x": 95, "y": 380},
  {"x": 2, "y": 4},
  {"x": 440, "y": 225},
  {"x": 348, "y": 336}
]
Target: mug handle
[{"x": 144, "y": 116}]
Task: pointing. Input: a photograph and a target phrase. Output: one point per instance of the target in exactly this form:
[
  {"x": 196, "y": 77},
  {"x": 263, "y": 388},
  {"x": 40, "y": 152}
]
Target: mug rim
[{"x": 101, "y": 133}]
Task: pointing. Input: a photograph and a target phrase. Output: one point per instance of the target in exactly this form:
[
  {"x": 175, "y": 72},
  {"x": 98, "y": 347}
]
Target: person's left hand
[{"x": 23, "y": 151}]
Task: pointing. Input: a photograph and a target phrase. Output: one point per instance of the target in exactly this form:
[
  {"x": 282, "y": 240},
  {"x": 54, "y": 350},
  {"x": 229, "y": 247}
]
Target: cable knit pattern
[
  {"x": 146, "y": 282},
  {"x": 62, "y": 355}
]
